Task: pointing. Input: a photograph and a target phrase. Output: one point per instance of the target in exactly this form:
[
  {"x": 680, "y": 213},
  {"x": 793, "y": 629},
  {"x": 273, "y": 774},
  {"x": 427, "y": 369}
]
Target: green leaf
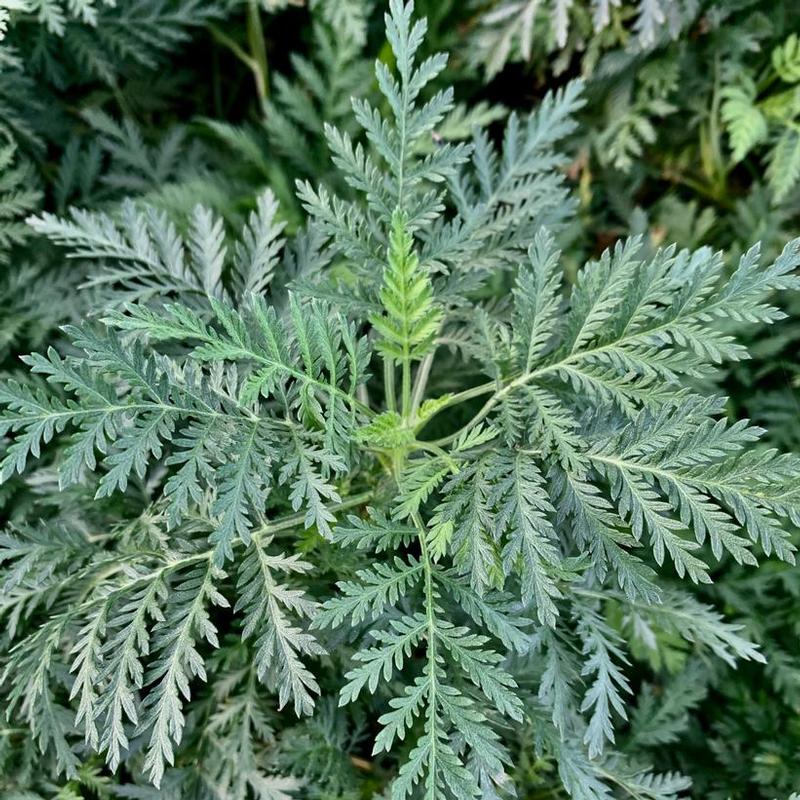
[
  {"x": 270, "y": 611},
  {"x": 745, "y": 122},
  {"x": 411, "y": 318}
]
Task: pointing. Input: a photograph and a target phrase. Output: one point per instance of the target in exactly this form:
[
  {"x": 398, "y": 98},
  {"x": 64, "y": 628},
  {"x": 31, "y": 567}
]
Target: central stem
[
  {"x": 388, "y": 384},
  {"x": 406, "y": 389},
  {"x": 427, "y": 567},
  {"x": 398, "y": 463}
]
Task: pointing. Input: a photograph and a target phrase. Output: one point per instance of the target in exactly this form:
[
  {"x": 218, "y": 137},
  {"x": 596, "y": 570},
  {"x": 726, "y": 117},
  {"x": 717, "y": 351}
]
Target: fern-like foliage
[
  {"x": 17, "y": 196},
  {"x": 510, "y": 30},
  {"x": 297, "y": 367},
  {"x": 104, "y": 36},
  {"x": 753, "y": 117},
  {"x": 537, "y": 474},
  {"x": 500, "y": 199},
  {"x": 142, "y": 254}
]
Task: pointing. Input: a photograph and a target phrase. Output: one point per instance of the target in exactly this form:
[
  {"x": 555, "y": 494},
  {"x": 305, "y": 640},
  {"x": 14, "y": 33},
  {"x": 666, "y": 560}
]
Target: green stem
[
  {"x": 420, "y": 384},
  {"x": 432, "y": 447},
  {"x": 298, "y": 519},
  {"x": 406, "y": 388},
  {"x": 479, "y": 417},
  {"x": 700, "y": 188},
  {"x": 256, "y": 61},
  {"x": 469, "y": 394},
  {"x": 457, "y": 399},
  {"x": 258, "y": 49},
  {"x": 431, "y": 634},
  {"x": 388, "y": 384},
  {"x": 427, "y": 567},
  {"x": 715, "y": 170}
]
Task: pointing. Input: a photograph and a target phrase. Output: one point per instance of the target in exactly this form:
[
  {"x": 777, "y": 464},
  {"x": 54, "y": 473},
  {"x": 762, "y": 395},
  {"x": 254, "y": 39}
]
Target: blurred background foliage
[{"x": 691, "y": 134}]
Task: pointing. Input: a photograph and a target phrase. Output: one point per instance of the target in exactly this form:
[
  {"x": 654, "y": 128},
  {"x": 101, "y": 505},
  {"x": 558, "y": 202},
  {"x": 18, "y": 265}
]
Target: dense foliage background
[{"x": 688, "y": 131}]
